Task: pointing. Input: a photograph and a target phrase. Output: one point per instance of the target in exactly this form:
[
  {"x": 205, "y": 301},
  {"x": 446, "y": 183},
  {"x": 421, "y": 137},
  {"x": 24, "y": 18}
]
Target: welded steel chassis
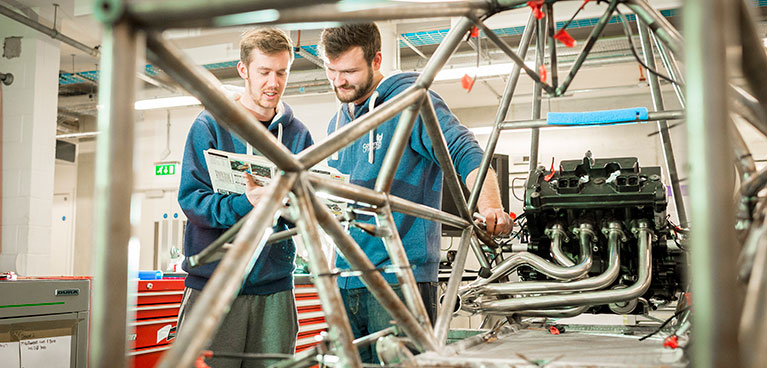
[{"x": 131, "y": 27}]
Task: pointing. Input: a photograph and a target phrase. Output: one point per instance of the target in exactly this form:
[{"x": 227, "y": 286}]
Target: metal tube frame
[
  {"x": 327, "y": 288},
  {"x": 122, "y": 26},
  {"x": 393, "y": 244},
  {"x": 711, "y": 173},
  {"x": 222, "y": 288},
  {"x": 112, "y": 231},
  {"x": 672, "y": 68},
  {"x": 665, "y": 137},
  {"x": 535, "y": 133},
  {"x": 598, "y": 28}
]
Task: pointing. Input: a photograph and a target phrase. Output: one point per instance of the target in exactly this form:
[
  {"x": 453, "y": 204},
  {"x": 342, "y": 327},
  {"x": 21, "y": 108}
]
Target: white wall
[
  {"x": 63, "y": 219},
  {"x": 86, "y": 166},
  {"x": 29, "y": 127}
]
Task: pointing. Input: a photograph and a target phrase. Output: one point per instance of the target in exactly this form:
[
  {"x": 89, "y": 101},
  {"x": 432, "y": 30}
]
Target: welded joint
[
  {"x": 615, "y": 227},
  {"x": 586, "y": 228},
  {"x": 109, "y": 11},
  {"x": 557, "y": 230},
  {"x": 643, "y": 226}
]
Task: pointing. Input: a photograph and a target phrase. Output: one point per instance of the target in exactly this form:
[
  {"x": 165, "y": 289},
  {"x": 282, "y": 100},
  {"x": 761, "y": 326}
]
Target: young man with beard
[
  {"x": 352, "y": 56},
  {"x": 262, "y": 319}
]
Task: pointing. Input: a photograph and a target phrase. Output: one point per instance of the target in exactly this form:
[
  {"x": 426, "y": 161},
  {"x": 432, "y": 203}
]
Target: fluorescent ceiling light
[
  {"x": 161, "y": 103},
  {"x": 483, "y": 71}
]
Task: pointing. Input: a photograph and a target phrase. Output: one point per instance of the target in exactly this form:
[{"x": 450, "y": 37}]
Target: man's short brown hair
[
  {"x": 270, "y": 41},
  {"x": 338, "y": 40}
]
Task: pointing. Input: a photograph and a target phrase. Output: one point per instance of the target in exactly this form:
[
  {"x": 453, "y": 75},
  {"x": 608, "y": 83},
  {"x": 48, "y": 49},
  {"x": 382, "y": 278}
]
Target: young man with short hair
[
  {"x": 352, "y": 56},
  {"x": 262, "y": 319}
]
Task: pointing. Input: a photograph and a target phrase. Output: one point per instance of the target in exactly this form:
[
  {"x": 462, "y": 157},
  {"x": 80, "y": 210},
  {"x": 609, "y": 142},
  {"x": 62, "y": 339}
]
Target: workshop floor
[{"x": 537, "y": 347}]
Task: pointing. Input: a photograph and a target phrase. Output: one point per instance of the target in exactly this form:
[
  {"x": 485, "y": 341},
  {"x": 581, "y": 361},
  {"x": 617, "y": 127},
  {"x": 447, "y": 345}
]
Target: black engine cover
[{"x": 597, "y": 192}]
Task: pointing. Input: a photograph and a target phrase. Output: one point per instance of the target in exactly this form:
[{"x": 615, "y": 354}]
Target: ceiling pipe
[{"x": 51, "y": 32}]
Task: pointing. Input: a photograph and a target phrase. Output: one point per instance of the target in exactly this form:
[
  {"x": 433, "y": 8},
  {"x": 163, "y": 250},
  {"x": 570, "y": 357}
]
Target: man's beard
[{"x": 359, "y": 91}]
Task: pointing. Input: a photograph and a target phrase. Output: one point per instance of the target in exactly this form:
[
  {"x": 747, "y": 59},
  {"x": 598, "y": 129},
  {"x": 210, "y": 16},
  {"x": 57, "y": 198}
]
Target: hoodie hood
[
  {"x": 417, "y": 178},
  {"x": 388, "y": 87},
  {"x": 282, "y": 119},
  {"x": 284, "y": 113}
]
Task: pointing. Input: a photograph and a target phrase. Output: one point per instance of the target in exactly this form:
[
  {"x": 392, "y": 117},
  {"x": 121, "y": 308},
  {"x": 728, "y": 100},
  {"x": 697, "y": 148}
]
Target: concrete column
[
  {"x": 389, "y": 47},
  {"x": 86, "y": 169},
  {"x": 29, "y": 145}
]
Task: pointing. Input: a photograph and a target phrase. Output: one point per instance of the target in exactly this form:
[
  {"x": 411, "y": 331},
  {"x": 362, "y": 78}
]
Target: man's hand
[
  {"x": 497, "y": 222},
  {"x": 253, "y": 190}
]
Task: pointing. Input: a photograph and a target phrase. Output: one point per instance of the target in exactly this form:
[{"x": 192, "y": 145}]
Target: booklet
[{"x": 227, "y": 174}]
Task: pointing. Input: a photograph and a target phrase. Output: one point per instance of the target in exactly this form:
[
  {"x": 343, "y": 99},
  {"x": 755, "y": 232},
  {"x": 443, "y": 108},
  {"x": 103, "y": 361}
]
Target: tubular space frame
[{"x": 124, "y": 21}]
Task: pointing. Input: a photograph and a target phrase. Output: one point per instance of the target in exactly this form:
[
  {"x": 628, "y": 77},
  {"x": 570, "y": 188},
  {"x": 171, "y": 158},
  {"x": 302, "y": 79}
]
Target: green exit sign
[{"x": 165, "y": 169}]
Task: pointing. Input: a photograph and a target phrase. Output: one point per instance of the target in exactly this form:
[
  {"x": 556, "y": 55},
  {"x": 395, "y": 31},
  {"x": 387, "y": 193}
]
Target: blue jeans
[{"x": 366, "y": 315}]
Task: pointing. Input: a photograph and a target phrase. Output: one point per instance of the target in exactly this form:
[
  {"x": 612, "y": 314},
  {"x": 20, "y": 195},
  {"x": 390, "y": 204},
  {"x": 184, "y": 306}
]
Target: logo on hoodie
[{"x": 372, "y": 146}]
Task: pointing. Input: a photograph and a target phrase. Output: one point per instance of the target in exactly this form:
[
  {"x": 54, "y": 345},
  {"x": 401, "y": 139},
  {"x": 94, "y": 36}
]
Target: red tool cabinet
[
  {"x": 156, "y": 314},
  {"x": 311, "y": 320}
]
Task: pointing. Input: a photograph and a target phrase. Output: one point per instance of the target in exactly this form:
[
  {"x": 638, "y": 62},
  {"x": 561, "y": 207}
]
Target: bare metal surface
[
  {"x": 373, "y": 198},
  {"x": 404, "y": 273},
  {"x": 556, "y": 247},
  {"x": 753, "y": 324},
  {"x": 513, "y": 56},
  {"x": 709, "y": 28},
  {"x": 754, "y": 183},
  {"x": 445, "y": 311},
  {"x": 672, "y": 68},
  {"x": 659, "y": 25},
  {"x": 339, "y": 330},
  {"x": 665, "y": 137},
  {"x": 542, "y": 265},
  {"x": 359, "y": 127},
  {"x": 644, "y": 243},
  {"x": 112, "y": 198},
  {"x": 706, "y": 98},
  {"x": 750, "y": 109},
  {"x": 570, "y": 349},
  {"x": 754, "y": 56},
  {"x": 374, "y": 280},
  {"x": 197, "y": 13},
  {"x": 360, "y": 12},
  {"x": 503, "y": 110},
  {"x": 546, "y": 287},
  {"x": 535, "y": 133},
  {"x": 452, "y": 182},
  {"x": 399, "y": 141},
  {"x": 595, "y": 32}
]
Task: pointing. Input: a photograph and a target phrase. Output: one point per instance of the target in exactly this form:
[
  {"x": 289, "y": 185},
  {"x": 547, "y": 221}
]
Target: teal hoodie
[
  {"x": 210, "y": 214},
  {"x": 418, "y": 177}
]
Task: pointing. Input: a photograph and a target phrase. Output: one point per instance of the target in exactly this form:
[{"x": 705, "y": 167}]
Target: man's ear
[
  {"x": 242, "y": 70},
  {"x": 377, "y": 61}
]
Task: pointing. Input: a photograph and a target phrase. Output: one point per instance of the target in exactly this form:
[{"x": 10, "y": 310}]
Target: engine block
[{"x": 596, "y": 192}]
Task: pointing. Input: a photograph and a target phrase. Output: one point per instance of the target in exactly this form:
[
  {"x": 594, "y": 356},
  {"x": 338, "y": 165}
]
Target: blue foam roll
[
  {"x": 150, "y": 275},
  {"x": 597, "y": 117}
]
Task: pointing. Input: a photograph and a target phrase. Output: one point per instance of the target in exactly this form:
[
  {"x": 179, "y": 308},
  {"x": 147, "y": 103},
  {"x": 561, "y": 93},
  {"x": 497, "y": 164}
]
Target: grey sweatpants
[{"x": 254, "y": 324}]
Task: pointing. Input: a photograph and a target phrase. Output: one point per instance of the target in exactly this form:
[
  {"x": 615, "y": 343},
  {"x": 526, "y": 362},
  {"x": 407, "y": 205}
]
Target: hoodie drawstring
[
  {"x": 338, "y": 123},
  {"x": 372, "y": 133}
]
